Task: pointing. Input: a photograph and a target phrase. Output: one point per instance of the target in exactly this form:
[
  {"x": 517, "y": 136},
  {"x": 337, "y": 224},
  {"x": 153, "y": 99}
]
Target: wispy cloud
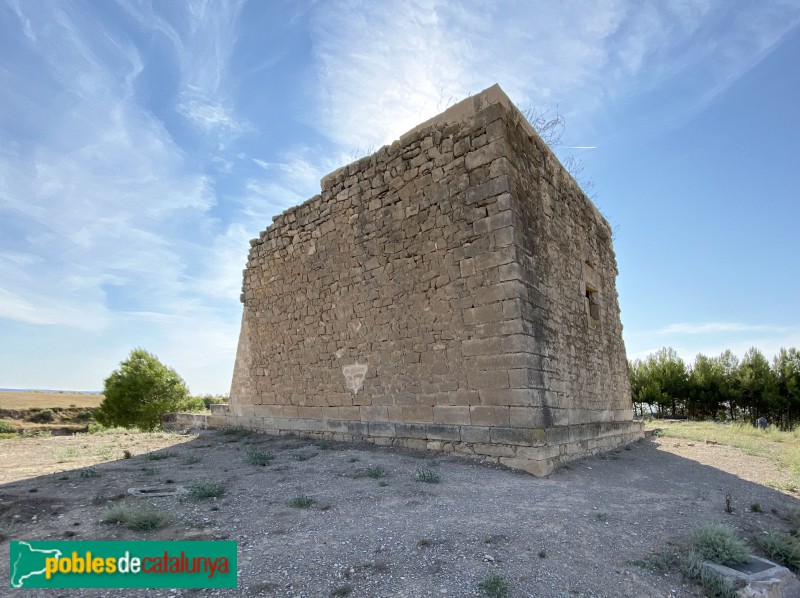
[
  {"x": 383, "y": 68},
  {"x": 203, "y": 37},
  {"x": 106, "y": 219}
]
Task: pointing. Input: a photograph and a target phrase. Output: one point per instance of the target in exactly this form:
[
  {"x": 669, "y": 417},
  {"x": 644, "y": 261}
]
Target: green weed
[
  {"x": 301, "y": 502},
  {"x": 494, "y": 585},
  {"x": 160, "y": 456},
  {"x": 427, "y": 476},
  {"x": 376, "y": 473},
  {"x": 715, "y": 585},
  {"x": 203, "y": 491},
  {"x": 259, "y": 458},
  {"x": 782, "y": 548},
  {"x": 69, "y": 452},
  {"x": 719, "y": 544},
  {"x": 140, "y": 518}
]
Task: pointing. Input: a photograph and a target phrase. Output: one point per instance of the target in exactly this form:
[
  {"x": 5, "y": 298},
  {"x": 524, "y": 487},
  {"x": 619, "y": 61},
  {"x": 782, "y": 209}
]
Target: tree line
[{"x": 721, "y": 388}]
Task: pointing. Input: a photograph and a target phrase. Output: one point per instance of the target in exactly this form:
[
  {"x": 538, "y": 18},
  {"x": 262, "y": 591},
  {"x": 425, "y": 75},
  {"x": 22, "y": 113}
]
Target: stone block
[
  {"x": 443, "y": 432},
  {"x": 357, "y": 428},
  {"x": 473, "y": 433},
  {"x": 493, "y": 450},
  {"x": 483, "y": 314},
  {"x": 489, "y": 416},
  {"x": 419, "y": 431},
  {"x": 520, "y": 397},
  {"x": 537, "y": 468},
  {"x": 416, "y": 444},
  {"x": 521, "y": 436},
  {"x": 487, "y": 379},
  {"x": 418, "y": 414},
  {"x": 309, "y": 412},
  {"x": 529, "y": 417},
  {"x": 451, "y": 415},
  {"x": 381, "y": 429},
  {"x": 372, "y": 413}
]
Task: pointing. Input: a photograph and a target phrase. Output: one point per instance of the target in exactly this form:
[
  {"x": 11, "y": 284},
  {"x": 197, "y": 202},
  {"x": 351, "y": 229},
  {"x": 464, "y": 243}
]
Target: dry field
[{"x": 23, "y": 400}]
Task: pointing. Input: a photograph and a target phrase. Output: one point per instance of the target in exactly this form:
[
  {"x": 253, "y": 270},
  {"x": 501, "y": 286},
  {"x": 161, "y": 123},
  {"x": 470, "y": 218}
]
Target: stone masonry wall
[{"x": 453, "y": 291}]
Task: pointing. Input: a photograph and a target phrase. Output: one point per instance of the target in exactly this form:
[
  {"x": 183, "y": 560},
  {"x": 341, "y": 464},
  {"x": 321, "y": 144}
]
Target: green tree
[
  {"x": 758, "y": 384},
  {"x": 787, "y": 372},
  {"x": 672, "y": 377},
  {"x": 661, "y": 379},
  {"x": 140, "y": 391},
  {"x": 730, "y": 391},
  {"x": 645, "y": 388},
  {"x": 705, "y": 384}
]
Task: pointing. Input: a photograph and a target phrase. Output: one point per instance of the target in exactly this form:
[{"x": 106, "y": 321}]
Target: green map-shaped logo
[{"x": 27, "y": 562}]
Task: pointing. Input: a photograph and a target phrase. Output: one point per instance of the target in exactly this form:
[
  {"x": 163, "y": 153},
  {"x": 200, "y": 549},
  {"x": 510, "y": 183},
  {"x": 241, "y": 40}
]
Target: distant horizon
[{"x": 63, "y": 392}]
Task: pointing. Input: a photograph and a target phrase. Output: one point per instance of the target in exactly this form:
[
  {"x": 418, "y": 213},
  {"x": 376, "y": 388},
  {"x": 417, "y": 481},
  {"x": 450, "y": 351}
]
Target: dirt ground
[{"x": 587, "y": 530}]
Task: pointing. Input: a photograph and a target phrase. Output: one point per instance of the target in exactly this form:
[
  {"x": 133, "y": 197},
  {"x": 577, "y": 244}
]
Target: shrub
[
  {"x": 44, "y": 416},
  {"x": 376, "y": 473},
  {"x": 301, "y": 502},
  {"x": 140, "y": 392},
  {"x": 191, "y": 404},
  {"x": 259, "y": 458},
  {"x": 160, "y": 456},
  {"x": 209, "y": 399},
  {"x": 101, "y": 430},
  {"x": 794, "y": 519},
  {"x": 719, "y": 544},
  {"x": 782, "y": 548},
  {"x": 428, "y": 476},
  {"x": 202, "y": 491},
  {"x": 715, "y": 585},
  {"x": 494, "y": 585},
  {"x": 6, "y": 427},
  {"x": 135, "y": 517},
  {"x": 84, "y": 415}
]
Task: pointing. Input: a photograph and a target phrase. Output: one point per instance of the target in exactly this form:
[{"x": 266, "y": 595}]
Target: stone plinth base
[{"x": 535, "y": 450}]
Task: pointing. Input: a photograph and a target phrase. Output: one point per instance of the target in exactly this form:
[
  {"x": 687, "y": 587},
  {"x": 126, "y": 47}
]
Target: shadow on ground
[{"x": 374, "y": 529}]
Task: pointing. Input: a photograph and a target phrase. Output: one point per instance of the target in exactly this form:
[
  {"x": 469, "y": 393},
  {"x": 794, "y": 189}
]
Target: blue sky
[{"x": 145, "y": 143}]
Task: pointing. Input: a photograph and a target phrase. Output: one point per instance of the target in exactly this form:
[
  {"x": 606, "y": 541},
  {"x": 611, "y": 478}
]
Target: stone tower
[{"x": 453, "y": 291}]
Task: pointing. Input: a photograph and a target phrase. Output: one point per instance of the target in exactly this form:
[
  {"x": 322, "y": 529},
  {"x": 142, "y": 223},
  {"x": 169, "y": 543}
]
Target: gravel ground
[{"x": 578, "y": 532}]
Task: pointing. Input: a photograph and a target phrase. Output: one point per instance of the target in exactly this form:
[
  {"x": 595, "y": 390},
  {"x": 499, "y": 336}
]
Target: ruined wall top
[{"x": 457, "y": 113}]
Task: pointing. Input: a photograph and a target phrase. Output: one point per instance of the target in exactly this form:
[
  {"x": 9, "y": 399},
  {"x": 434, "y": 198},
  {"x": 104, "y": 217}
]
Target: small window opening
[{"x": 593, "y": 303}]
